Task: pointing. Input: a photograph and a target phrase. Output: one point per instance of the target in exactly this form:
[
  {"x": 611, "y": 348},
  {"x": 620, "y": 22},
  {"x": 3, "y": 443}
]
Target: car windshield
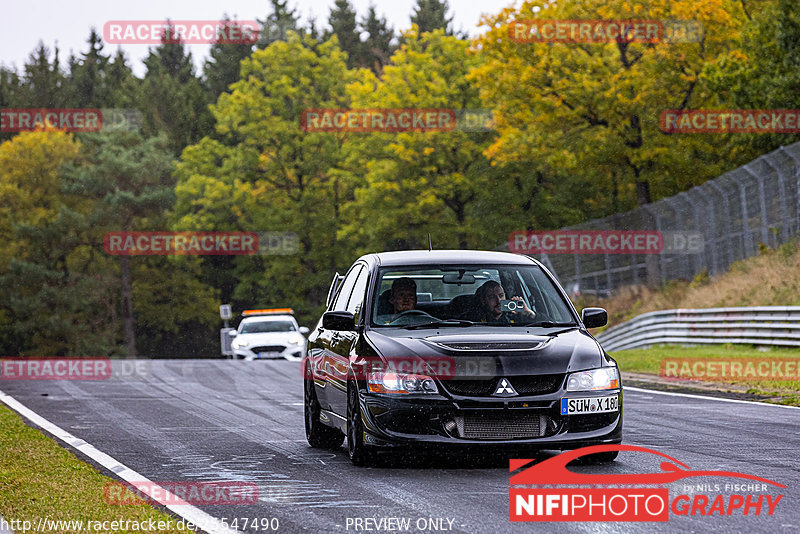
[
  {"x": 258, "y": 327},
  {"x": 464, "y": 295}
]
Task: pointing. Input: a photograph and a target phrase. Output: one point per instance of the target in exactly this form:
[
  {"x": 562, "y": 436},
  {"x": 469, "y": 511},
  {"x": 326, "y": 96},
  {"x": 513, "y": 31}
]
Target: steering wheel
[{"x": 410, "y": 313}]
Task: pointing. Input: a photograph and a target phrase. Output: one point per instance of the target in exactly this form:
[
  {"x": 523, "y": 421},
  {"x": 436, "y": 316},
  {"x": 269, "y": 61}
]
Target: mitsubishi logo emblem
[{"x": 504, "y": 389}]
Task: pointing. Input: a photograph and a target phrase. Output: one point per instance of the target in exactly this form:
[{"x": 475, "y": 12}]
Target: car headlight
[
  {"x": 594, "y": 379},
  {"x": 240, "y": 344},
  {"x": 295, "y": 341},
  {"x": 380, "y": 382}
]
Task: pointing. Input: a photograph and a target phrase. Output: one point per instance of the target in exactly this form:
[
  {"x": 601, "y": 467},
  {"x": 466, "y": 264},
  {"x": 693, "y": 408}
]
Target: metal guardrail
[{"x": 761, "y": 325}]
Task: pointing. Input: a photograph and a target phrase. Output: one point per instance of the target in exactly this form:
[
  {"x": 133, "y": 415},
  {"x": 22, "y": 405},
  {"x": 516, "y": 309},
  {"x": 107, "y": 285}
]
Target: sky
[{"x": 67, "y": 24}]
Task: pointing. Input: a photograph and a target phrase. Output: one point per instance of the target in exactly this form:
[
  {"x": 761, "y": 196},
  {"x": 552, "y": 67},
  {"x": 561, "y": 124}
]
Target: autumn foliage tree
[{"x": 589, "y": 112}]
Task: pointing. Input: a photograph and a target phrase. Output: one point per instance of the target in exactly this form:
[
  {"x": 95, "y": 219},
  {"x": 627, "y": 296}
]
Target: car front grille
[
  {"x": 523, "y": 385},
  {"x": 500, "y": 426},
  {"x": 269, "y": 348}
]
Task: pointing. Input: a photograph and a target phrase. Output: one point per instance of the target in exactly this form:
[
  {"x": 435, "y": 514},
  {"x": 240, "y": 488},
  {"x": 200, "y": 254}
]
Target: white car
[{"x": 269, "y": 334}]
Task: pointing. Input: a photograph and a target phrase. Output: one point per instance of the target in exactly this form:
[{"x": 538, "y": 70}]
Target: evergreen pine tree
[
  {"x": 222, "y": 67},
  {"x": 342, "y": 21},
  {"x": 431, "y": 15},
  {"x": 378, "y": 46}
]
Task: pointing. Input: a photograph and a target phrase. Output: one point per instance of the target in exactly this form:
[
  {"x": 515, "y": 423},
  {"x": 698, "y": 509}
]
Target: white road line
[
  {"x": 204, "y": 521},
  {"x": 721, "y": 399}
]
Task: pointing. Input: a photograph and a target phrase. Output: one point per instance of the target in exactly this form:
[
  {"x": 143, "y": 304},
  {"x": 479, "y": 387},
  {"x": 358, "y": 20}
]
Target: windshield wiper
[{"x": 447, "y": 322}]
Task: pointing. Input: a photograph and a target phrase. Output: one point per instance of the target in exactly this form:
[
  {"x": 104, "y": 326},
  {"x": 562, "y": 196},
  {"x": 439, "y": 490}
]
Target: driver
[
  {"x": 490, "y": 310},
  {"x": 404, "y": 295}
]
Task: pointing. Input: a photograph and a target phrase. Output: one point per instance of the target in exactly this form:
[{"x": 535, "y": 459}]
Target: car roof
[{"x": 434, "y": 257}]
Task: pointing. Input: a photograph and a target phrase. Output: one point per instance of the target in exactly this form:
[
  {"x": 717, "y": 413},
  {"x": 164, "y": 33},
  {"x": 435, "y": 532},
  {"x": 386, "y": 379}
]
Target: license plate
[
  {"x": 269, "y": 354},
  {"x": 590, "y": 405}
]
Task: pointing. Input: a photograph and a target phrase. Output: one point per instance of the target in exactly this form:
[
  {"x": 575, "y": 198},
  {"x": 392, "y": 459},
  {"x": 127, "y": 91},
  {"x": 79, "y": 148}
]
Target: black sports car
[{"x": 457, "y": 348}]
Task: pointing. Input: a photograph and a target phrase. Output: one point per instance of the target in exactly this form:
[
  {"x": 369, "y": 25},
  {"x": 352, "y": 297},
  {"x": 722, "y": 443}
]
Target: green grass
[
  {"x": 39, "y": 479},
  {"x": 648, "y": 361}
]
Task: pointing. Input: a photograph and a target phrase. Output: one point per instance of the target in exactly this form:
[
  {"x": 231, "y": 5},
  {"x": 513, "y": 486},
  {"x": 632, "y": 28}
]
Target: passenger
[{"x": 489, "y": 308}]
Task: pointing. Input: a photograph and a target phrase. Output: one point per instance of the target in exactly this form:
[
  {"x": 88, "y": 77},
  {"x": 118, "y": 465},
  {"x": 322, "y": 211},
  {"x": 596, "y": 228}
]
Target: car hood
[{"x": 493, "y": 354}]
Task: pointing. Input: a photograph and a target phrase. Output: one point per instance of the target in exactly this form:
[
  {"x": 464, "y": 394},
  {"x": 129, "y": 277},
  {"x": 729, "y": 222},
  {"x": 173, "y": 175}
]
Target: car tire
[
  {"x": 318, "y": 435},
  {"x": 360, "y": 454}
]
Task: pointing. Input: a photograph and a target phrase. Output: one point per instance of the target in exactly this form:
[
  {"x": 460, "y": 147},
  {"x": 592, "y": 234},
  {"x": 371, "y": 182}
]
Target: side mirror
[
  {"x": 338, "y": 320},
  {"x": 232, "y": 333},
  {"x": 304, "y": 330},
  {"x": 594, "y": 317}
]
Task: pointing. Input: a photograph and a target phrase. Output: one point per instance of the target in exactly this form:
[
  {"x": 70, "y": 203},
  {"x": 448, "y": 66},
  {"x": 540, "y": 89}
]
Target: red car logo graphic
[{"x": 553, "y": 471}]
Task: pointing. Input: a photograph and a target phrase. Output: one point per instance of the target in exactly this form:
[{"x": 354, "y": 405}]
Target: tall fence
[{"x": 734, "y": 213}]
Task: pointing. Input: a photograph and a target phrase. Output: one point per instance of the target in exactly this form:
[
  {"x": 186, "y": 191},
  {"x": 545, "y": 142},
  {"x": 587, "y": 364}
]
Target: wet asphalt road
[{"x": 243, "y": 421}]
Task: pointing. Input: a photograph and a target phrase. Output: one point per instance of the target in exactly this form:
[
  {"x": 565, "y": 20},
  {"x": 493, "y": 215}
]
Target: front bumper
[
  {"x": 536, "y": 421},
  {"x": 292, "y": 352}
]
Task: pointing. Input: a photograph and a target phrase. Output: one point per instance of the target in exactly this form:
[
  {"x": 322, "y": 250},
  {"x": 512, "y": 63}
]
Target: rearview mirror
[
  {"x": 594, "y": 317},
  {"x": 304, "y": 330},
  {"x": 338, "y": 320},
  {"x": 458, "y": 278},
  {"x": 232, "y": 333}
]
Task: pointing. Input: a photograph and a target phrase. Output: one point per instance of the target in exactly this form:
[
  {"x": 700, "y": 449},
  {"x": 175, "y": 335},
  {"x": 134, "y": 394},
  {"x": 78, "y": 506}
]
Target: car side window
[
  {"x": 347, "y": 288},
  {"x": 356, "y": 302}
]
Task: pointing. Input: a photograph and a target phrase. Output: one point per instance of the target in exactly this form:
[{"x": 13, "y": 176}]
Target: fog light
[{"x": 450, "y": 426}]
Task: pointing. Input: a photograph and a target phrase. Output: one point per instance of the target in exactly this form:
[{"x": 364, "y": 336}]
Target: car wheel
[
  {"x": 319, "y": 436},
  {"x": 360, "y": 453}
]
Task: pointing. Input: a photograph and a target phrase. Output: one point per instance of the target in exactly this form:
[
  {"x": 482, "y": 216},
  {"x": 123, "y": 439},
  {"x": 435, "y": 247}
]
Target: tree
[
  {"x": 343, "y": 25},
  {"x": 11, "y": 91},
  {"x": 587, "y": 114},
  {"x": 43, "y": 81},
  {"x": 419, "y": 182},
  {"x": 222, "y": 67},
  {"x": 761, "y": 72},
  {"x": 173, "y": 99},
  {"x": 122, "y": 86},
  {"x": 266, "y": 174},
  {"x": 88, "y": 75},
  {"x": 278, "y": 23},
  {"x": 36, "y": 245},
  {"x": 378, "y": 46},
  {"x": 130, "y": 179},
  {"x": 9, "y": 87},
  {"x": 430, "y": 15}
]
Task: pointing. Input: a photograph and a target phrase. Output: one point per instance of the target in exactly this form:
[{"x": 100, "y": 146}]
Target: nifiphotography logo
[{"x": 548, "y": 491}]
